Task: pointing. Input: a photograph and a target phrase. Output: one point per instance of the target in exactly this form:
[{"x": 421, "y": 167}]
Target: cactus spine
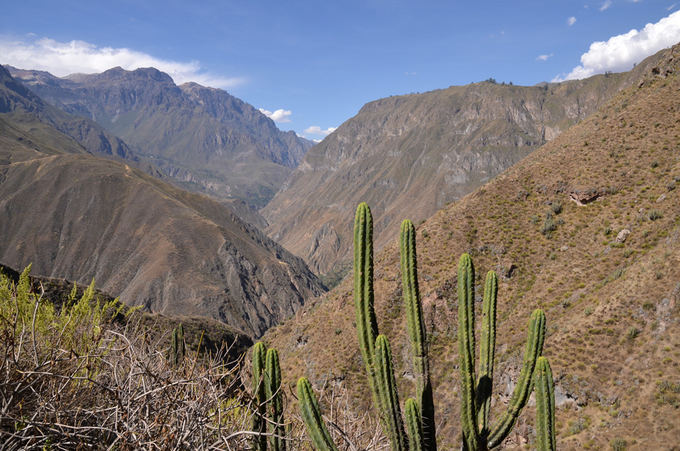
[
  {"x": 311, "y": 415},
  {"x": 177, "y": 346},
  {"x": 545, "y": 406},
  {"x": 274, "y": 399},
  {"x": 259, "y": 396},
  {"x": 416, "y": 332}
]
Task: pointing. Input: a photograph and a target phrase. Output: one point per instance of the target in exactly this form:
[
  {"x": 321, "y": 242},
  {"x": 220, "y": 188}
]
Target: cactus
[
  {"x": 274, "y": 399},
  {"x": 545, "y": 406},
  {"x": 177, "y": 345},
  {"x": 416, "y": 332},
  {"x": 520, "y": 395},
  {"x": 466, "y": 352},
  {"x": 259, "y": 397},
  {"x": 487, "y": 352},
  {"x": 475, "y": 391},
  {"x": 387, "y": 391},
  {"x": 414, "y": 426},
  {"x": 367, "y": 326},
  {"x": 311, "y": 415}
]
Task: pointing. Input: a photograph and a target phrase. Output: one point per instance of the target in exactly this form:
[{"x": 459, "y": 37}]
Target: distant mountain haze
[
  {"x": 204, "y": 138},
  {"x": 410, "y": 155}
]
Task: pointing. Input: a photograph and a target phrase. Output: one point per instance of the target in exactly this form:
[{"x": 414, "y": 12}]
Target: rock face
[
  {"x": 204, "y": 138},
  {"x": 408, "y": 156},
  {"x": 78, "y": 216}
]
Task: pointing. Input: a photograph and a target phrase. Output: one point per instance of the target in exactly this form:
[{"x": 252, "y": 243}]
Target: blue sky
[{"x": 311, "y": 65}]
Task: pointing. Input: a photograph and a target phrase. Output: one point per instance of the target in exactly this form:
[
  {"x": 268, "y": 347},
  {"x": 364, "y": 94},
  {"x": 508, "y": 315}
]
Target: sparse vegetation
[{"x": 87, "y": 374}]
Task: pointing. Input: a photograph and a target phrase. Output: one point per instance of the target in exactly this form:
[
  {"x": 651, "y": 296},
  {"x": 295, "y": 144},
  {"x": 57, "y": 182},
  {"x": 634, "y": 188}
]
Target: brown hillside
[
  {"x": 80, "y": 217},
  {"x": 411, "y": 155},
  {"x": 613, "y": 308}
]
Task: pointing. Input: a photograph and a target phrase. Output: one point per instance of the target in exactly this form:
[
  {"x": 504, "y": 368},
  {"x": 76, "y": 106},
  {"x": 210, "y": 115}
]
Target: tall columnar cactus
[
  {"x": 475, "y": 391},
  {"x": 274, "y": 399},
  {"x": 367, "y": 326},
  {"x": 466, "y": 352},
  {"x": 520, "y": 396},
  {"x": 177, "y": 346},
  {"x": 417, "y": 334},
  {"x": 545, "y": 406},
  {"x": 259, "y": 396},
  {"x": 487, "y": 352},
  {"x": 311, "y": 415}
]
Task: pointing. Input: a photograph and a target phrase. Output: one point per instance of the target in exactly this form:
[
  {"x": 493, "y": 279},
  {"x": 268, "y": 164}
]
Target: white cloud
[
  {"x": 571, "y": 21},
  {"x": 605, "y": 6},
  {"x": 544, "y": 57},
  {"x": 621, "y": 52},
  {"x": 279, "y": 115},
  {"x": 671, "y": 7},
  {"x": 318, "y": 131},
  {"x": 64, "y": 58}
]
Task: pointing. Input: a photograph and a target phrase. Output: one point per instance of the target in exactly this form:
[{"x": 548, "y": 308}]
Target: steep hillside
[
  {"x": 204, "y": 138},
  {"x": 411, "y": 155},
  {"x": 605, "y": 269},
  {"x": 80, "y": 217}
]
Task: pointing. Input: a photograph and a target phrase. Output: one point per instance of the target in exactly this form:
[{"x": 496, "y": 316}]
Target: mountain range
[
  {"x": 411, "y": 155},
  {"x": 587, "y": 227},
  {"x": 203, "y": 138},
  {"x": 79, "y": 211}
]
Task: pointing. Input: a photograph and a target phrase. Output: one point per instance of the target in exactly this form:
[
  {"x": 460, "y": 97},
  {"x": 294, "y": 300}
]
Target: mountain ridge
[
  {"x": 204, "y": 138},
  {"x": 79, "y": 216},
  {"x": 415, "y": 153}
]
